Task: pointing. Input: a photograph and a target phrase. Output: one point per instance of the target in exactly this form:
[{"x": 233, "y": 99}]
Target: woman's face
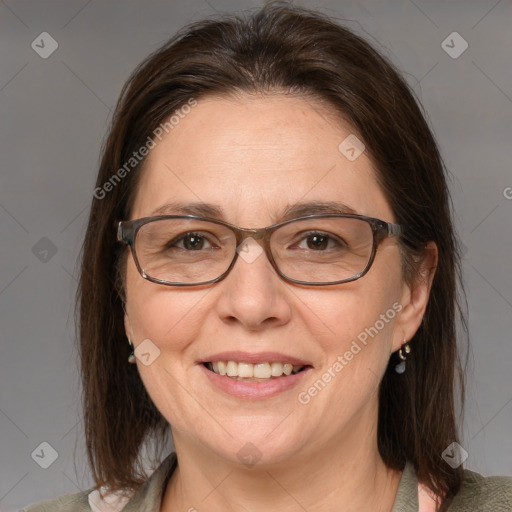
[{"x": 252, "y": 158}]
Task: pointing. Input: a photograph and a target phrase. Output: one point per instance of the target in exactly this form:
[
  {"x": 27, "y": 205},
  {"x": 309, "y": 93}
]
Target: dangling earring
[
  {"x": 131, "y": 357},
  {"x": 400, "y": 367}
]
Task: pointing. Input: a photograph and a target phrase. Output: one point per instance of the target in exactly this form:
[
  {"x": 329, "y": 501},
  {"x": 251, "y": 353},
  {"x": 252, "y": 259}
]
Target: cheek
[
  {"x": 356, "y": 324},
  {"x": 169, "y": 318},
  {"x": 355, "y": 312},
  {"x": 356, "y": 350},
  {"x": 165, "y": 315}
]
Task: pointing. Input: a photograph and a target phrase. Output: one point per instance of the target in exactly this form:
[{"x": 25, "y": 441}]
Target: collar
[{"x": 411, "y": 496}]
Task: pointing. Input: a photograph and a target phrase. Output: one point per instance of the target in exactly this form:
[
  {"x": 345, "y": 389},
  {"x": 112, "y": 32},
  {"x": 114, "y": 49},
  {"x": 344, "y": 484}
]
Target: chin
[{"x": 258, "y": 446}]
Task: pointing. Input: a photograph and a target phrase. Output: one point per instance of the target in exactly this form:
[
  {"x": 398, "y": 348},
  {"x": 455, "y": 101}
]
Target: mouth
[
  {"x": 254, "y": 372},
  {"x": 254, "y": 376}
]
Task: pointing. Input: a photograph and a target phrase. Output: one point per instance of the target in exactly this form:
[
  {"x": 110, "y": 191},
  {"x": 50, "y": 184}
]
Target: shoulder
[
  {"x": 70, "y": 503},
  {"x": 147, "y": 497},
  {"x": 485, "y": 494}
]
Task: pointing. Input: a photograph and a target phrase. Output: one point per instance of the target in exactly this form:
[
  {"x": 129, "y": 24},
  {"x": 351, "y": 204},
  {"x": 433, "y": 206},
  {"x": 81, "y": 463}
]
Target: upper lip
[{"x": 254, "y": 358}]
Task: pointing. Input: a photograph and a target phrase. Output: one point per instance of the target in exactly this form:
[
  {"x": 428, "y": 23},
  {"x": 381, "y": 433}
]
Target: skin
[{"x": 254, "y": 155}]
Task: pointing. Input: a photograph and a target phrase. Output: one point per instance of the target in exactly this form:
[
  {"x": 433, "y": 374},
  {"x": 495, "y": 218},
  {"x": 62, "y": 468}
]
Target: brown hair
[{"x": 280, "y": 48}]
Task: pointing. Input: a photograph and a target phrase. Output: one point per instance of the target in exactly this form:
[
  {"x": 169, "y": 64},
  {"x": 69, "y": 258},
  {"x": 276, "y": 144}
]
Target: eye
[
  {"x": 191, "y": 242},
  {"x": 317, "y": 241}
]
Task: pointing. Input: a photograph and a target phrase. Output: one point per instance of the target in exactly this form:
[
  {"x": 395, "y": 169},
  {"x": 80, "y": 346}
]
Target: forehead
[{"x": 253, "y": 157}]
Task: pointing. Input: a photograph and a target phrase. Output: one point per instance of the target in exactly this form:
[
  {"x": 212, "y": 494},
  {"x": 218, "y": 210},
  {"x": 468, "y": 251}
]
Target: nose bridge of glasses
[
  {"x": 261, "y": 236},
  {"x": 256, "y": 234}
]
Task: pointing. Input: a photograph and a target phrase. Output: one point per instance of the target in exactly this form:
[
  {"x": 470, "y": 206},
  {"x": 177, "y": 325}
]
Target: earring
[
  {"x": 131, "y": 357},
  {"x": 400, "y": 367}
]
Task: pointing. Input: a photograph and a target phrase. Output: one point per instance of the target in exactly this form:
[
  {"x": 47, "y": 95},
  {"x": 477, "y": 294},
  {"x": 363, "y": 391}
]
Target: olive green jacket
[{"x": 478, "y": 494}]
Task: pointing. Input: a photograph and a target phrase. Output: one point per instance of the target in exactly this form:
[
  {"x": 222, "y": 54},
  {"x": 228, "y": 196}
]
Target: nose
[{"x": 253, "y": 294}]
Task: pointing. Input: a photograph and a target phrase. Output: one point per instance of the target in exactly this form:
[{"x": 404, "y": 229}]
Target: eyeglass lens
[{"x": 314, "y": 250}]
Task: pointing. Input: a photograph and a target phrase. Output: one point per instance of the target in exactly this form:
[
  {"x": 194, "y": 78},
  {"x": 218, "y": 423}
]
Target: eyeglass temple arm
[
  {"x": 394, "y": 229},
  {"x": 125, "y": 232}
]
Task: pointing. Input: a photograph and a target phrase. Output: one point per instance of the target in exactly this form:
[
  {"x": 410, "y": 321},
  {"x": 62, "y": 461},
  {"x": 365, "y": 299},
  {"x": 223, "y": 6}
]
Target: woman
[{"x": 270, "y": 246}]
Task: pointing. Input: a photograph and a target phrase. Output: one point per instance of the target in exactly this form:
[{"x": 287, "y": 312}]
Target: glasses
[{"x": 315, "y": 250}]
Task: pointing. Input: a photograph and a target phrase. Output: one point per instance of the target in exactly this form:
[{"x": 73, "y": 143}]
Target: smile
[{"x": 256, "y": 372}]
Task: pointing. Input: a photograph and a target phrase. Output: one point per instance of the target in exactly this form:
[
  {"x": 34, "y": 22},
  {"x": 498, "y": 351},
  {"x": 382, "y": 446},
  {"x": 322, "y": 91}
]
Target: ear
[{"x": 415, "y": 297}]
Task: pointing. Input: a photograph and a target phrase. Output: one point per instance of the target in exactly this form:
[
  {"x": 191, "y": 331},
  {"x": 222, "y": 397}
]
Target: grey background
[{"x": 54, "y": 113}]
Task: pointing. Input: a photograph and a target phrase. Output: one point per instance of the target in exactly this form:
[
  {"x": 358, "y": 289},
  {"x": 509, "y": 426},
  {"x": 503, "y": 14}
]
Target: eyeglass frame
[{"x": 127, "y": 233}]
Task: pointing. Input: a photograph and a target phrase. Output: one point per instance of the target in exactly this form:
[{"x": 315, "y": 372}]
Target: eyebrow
[
  {"x": 289, "y": 212},
  {"x": 312, "y": 207},
  {"x": 198, "y": 208}
]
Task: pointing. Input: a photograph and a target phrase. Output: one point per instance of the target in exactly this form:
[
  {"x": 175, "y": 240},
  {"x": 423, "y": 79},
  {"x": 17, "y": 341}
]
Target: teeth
[
  {"x": 253, "y": 371},
  {"x": 277, "y": 369},
  {"x": 245, "y": 370},
  {"x": 262, "y": 370},
  {"x": 231, "y": 369}
]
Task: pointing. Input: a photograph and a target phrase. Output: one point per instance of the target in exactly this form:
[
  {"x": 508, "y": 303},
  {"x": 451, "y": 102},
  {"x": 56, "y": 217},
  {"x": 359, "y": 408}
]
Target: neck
[{"x": 347, "y": 470}]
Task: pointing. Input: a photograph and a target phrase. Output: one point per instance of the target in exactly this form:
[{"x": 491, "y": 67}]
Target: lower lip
[{"x": 253, "y": 390}]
